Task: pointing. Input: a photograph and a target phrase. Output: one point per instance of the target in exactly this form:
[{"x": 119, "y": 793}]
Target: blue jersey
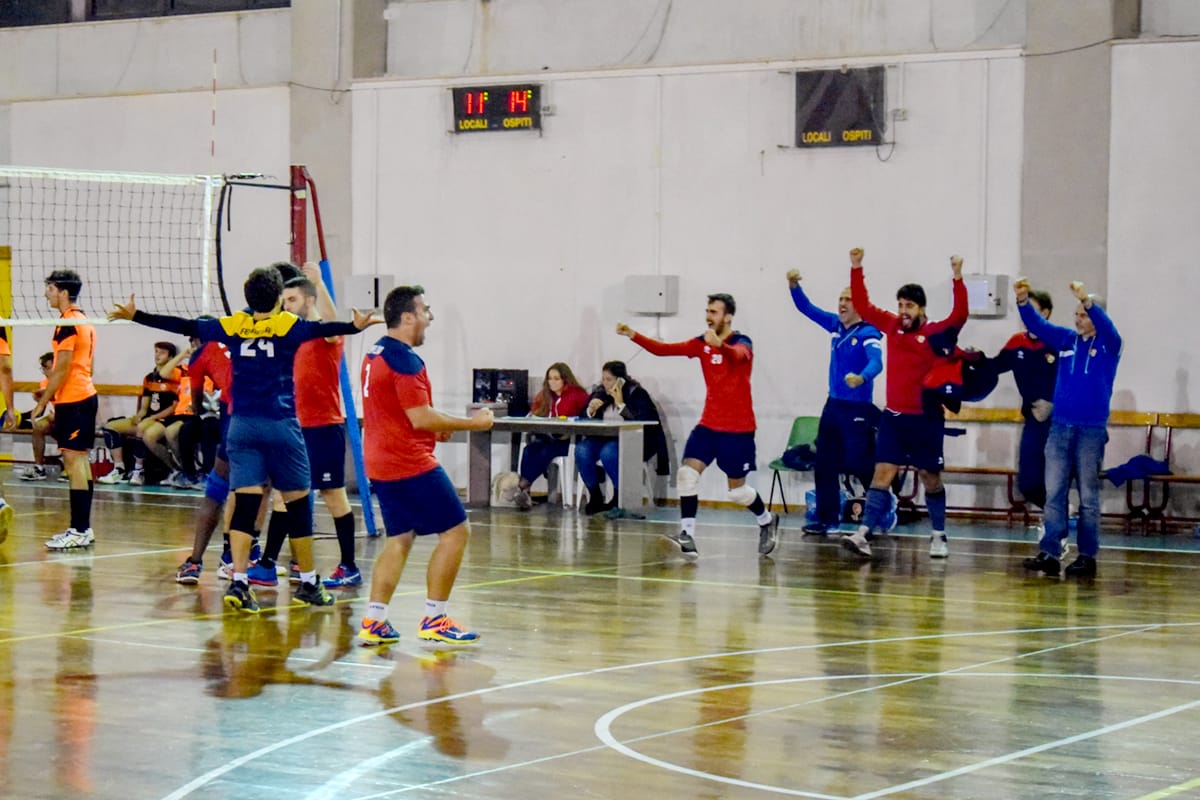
[
  {"x": 263, "y": 354},
  {"x": 854, "y": 350},
  {"x": 1086, "y": 367}
]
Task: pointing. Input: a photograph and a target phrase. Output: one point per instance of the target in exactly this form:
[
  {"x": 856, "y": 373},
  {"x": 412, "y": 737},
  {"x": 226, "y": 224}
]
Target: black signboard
[
  {"x": 840, "y": 108},
  {"x": 497, "y": 108}
]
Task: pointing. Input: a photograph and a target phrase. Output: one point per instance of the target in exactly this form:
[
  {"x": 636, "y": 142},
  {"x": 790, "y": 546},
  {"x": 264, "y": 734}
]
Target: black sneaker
[
  {"x": 1082, "y": 567},
  {"x": 595, "y": 505},
  {"x": 686, "y": 544},
  {"x": 240, "y": 598},
  {"x": 816, "y": 529},
  {"x": 312, "y": 594},
  {"x": 767, "y": 536},
  {"x": 1043, "y": 562}
]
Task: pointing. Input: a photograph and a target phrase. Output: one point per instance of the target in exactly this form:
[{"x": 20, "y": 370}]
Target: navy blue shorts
[
  {"x": 262, "y": 450},
  {"x": 734, "y": 452},
  {"x": 427, "y": 503},
  {"x": 222, "y": 450},
  {"x": 326, "y": 455},
  {"x": 913, "y": 440}
]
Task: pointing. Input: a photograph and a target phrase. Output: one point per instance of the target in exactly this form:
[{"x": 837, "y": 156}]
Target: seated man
[
  {"x": 617, "y": 397},
  {"x": 160, "y": 393},
  {"x": 39, "y": 428}
]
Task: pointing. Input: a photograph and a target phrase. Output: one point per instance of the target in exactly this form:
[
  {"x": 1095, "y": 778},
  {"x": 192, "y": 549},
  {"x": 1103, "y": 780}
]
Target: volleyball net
[{"x": 124, "y": 233}]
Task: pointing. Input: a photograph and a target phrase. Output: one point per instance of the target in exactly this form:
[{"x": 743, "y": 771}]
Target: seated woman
[
  {"x": 560, "y": 396},
  {"x": 617, "y": 397}
]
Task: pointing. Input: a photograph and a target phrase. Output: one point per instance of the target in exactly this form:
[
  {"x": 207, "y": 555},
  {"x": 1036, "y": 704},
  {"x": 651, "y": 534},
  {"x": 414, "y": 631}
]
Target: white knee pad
[
  {"x": 743, "y": 495},
  {"x": 688, "y": 481}
]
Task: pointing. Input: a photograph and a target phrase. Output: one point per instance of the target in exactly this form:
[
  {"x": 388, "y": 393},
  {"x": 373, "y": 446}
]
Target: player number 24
[{"x": 263, "y": 344}]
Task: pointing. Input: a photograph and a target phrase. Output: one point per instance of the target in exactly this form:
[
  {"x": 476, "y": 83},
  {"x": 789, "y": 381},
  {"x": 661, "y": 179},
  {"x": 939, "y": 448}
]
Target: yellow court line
[
  {"x": 1171, "y": 790},
  {"x": 599, "y": 572},
  {"x": 265, "y": 610}
]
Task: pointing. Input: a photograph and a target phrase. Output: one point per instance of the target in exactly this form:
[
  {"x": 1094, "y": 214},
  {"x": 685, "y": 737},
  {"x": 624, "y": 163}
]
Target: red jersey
[
  {"x": 570, "y": 403},
  {"x": 728, "y": 404},
  {"x": 393, "y": 381},
  {"x": 212, "y": 361},
  {"x": 318, "y": 401},
  {"x": 909, "y": 356}
]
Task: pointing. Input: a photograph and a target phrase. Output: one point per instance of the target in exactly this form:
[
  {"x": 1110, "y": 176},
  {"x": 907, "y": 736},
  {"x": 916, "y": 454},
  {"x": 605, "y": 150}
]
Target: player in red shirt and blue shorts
[
  {"x": 400, "y": 429},
  {"x": 909, "y": 433},
  {"x": 725, "y": 432}
]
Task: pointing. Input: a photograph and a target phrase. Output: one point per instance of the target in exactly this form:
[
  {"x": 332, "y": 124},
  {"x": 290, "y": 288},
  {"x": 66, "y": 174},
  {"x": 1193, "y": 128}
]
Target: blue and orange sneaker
[
  {"x": 262, "y": 576},
  {"x": 342, "y": 578},
  {"x": 188, "y": 573},
  {"x": 294, "y": 573},
  {"x": 377, "y": 631},
  {"x": 443, "y": 629}
]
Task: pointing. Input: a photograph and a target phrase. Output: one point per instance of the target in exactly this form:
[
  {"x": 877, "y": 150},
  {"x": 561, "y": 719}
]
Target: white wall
[
  {"x": 1170, "y": 18},
  {"x": 160, "y": 54},
  {"x": 168, "y": 133},
  {"x": 1153, "y": 235},
  {"x": 454, "y": 37},
  {"x": 522, "y": 242}
]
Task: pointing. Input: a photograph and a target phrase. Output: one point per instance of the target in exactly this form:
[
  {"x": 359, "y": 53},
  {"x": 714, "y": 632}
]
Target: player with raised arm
[
  {"x": 319, "y": 410},
  {"x": 416, "y": 497},
  {"x": 909, "y": 433},
  {"x": 726, "y": 428},
  {"x": 846, "y": 431},
  {"x": 1088, "y": 354},
  {"x": 75, "y": 403},
  {"x": 264, "y": 440}
]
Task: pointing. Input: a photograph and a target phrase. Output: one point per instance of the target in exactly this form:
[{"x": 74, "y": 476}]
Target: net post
[{"x": 299, "y": 215}]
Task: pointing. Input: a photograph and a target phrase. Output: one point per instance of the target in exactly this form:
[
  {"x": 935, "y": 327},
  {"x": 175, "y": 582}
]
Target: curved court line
[
  {"x": 233, "y": 764},
  {"x": 603, "y": 727}
]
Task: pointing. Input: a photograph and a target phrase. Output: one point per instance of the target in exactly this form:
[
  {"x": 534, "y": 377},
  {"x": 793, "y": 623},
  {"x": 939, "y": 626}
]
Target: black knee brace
[{"x": 245, "y": 512}]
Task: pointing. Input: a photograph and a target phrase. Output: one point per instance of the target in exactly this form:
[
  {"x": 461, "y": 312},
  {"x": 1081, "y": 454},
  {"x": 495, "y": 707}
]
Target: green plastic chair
[{"x": 804, "y": 431}]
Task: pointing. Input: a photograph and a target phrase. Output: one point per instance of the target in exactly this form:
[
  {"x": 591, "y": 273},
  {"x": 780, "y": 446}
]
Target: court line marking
[
  {"x": 1171, "y": 790},
  {"x": 602, "y": 727},
  {"x": 246, "y": 758},
  {"x": 266, "y": 610},
  {"x": 604, "y": 733}
]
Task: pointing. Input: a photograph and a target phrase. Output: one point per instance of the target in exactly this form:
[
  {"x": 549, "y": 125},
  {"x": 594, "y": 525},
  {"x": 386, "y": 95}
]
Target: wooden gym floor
[{"x": 609, "y": 668}]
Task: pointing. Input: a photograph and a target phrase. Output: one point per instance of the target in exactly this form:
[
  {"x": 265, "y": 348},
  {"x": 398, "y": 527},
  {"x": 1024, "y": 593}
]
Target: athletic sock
[
  {"x": 936, "y": 503},
  {"x": 434, "y": 608},
  {"x": 376, "y": 610},
  {"x": 344, "y": 527}
]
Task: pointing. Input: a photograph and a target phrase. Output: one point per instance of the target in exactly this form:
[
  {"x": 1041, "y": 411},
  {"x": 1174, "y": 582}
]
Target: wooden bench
[
  {"x": 1017, "y": 507},
  {"x": 1146, "y": 508},
  {"x": 102, "y": 389}
]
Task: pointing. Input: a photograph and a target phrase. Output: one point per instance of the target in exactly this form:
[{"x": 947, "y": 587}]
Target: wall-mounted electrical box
[
  {"x": 987, "y": 295},
  {"x": 652, "y": 294}
]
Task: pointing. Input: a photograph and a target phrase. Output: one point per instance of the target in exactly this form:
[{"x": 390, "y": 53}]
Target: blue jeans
[
  {"x": 539, "y": 452},
  {"x": 589, "y": 450},
  {"x": 1073, "y": 453}
]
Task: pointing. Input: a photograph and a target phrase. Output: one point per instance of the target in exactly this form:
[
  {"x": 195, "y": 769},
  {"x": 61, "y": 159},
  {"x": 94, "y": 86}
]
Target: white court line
[
  {"x": 604, "y": 733},
  {"x": 233, "y": 764},
  {"x": 603, "y": 730},
  {"x": 82, "y": 554}
]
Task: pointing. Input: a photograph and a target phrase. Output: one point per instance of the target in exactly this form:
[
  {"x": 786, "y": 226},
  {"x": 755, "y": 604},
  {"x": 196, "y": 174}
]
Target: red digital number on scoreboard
[{"x": 497, "y": 108}]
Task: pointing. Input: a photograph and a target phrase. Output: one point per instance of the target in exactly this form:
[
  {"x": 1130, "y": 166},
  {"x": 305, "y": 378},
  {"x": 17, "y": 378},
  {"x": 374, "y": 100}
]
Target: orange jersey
[{"x": 80, "y": 342}]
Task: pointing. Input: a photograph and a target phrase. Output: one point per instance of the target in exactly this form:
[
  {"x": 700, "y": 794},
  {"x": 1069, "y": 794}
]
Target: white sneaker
[
  {"x": 70, "y": 539},
  {"x": 34, "y": 473},
  {"x": 938, "y": 547},
  {"x": 857, "y": 543},
  {"x": 138, "y": 478},
  {"x": 113, "y": 476},
  {"x": 225, "y": 571},
  {"x": 170, "y": 480}
]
